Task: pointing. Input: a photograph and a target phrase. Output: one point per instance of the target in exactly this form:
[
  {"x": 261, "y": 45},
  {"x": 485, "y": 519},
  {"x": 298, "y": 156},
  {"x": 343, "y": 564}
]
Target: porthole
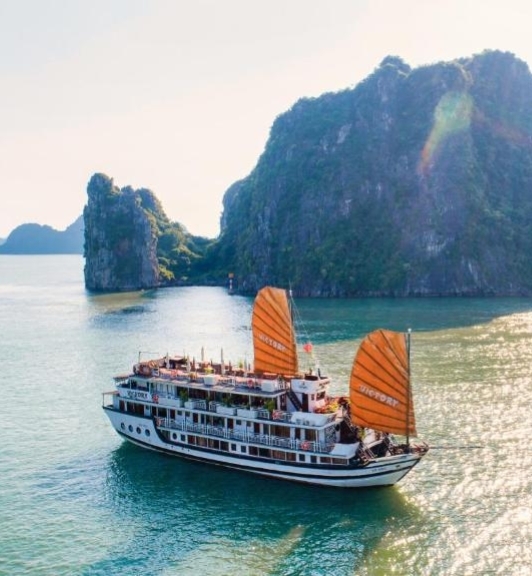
[
  {"x": 123, "y": 426},
  {"x": 147, "y": 432},
  {"x": 130, "y": 428},
  {"x": 174, "y": 436},
  {"x": 138, "y": 430}
]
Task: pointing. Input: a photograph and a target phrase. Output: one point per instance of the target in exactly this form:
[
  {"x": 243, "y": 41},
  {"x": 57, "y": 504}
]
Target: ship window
[
  {"x": 138, "y": 430},
  {"x": 233, "y": 447},
  {"x": 123, "y": 426},
  {"x": 130, "y": 428},
  {"x": 183, "y": 438},
  {"x": 174, "y": 436},
  {"x": 301, "y": 457},
  {"x": 242, "y": 449},
  {"x": 313, "y": 459},
  {"x": 147, "y": 432}
]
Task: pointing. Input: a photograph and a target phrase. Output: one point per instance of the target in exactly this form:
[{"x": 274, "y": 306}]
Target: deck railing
[{"x": 244, "y": 436}]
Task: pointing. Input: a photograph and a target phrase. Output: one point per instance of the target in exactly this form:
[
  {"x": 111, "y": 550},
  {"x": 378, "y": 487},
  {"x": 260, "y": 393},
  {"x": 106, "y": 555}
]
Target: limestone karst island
[{"x": 414, "y": 182}]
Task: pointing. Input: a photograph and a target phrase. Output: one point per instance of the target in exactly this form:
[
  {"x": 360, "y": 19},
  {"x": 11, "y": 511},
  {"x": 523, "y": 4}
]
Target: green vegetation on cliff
[{"x": 413, "y": 182}]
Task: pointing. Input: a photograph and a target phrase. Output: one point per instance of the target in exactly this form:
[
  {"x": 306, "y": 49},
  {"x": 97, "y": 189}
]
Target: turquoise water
[{"x": 75, "y": 499}]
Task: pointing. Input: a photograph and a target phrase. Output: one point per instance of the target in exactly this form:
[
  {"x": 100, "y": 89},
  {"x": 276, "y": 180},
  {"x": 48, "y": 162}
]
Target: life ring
[
  {"x": 250, "y": 383},
  {"x": 305, "y": 445},
  {"x": 155, "y": 398}
]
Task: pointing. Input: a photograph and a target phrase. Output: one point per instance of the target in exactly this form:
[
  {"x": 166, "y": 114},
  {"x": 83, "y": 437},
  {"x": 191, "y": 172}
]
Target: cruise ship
[{"x": 272, "y": 419}]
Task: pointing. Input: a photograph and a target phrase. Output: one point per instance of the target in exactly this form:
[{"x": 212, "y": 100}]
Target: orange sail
[
  {"x": 380, "y": 395},
  {"x": 274, "y": 339}
]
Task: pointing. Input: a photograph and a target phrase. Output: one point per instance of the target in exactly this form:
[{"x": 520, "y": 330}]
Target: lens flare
[{"x": 452, "y": 115}]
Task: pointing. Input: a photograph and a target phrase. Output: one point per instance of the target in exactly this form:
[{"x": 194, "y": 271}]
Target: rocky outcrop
[{"x": 120, "y": 238}]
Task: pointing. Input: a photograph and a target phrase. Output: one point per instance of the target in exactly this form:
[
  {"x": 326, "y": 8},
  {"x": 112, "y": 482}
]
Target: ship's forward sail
[
  {"x": 274, "y": 341},
  {"x": 380, "y": 393}
]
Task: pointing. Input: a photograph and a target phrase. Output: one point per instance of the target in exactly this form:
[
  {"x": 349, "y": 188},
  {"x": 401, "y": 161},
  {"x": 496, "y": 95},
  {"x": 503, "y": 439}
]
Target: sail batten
[
  {"x": 380, "y": 394},
  {"x": 274, "y": 341}
]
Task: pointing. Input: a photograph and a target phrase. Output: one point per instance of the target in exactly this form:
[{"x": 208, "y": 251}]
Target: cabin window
[
  {"x": 301, "y": 457},
  {"x": 243, "y": 449},
  {"x": 147, "y": 432},
  {"x": 130, "y": 428},
  {"x": 325, "y": 460},
  {"x": 138, "y": 430},
  {"x": 233, "y": 447},
  {"x": 313, "y": 459},
  {"x": 183, "y": 438},
  {"x": 123, "y": 426}
]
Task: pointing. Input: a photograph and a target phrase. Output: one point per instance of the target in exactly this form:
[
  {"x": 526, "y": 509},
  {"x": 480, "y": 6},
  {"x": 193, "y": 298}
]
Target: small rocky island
[{"x": 130, "y": 244}]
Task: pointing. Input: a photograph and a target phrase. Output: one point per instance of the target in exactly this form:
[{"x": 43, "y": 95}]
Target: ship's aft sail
[
  {"x": 274, "y": 341},
  {"x": 380, "y": 393}
]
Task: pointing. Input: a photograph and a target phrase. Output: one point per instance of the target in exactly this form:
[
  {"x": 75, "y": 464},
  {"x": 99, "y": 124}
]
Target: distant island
[{"x": 43, "y": 239}]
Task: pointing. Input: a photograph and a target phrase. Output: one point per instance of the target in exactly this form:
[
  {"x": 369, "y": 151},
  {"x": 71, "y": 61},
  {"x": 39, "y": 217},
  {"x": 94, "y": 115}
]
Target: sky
[{"x": 179, "y": 96}]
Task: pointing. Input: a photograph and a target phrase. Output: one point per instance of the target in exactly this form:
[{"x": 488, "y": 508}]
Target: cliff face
[
  {"x": 120, "y": 238},
  {"x": 413, "y": 182}
]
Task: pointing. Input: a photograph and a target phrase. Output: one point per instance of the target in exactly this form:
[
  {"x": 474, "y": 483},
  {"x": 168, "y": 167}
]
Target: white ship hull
[{"x": 384, "y": 471}]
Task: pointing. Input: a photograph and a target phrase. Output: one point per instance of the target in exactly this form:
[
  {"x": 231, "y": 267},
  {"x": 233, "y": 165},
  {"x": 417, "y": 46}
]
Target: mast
[{"x": 409, "y": 390}]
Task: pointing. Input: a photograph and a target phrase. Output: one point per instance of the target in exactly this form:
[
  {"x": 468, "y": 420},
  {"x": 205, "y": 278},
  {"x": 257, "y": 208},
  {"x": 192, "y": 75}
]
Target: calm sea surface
[{"x": 75, "y": 499}]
